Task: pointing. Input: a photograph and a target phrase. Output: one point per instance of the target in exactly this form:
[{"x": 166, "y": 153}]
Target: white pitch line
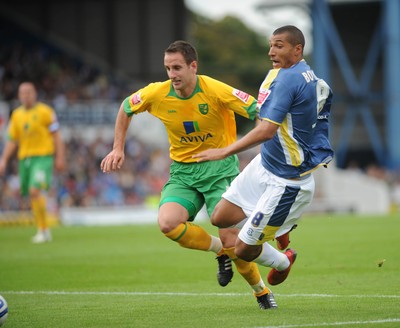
[
  {"x": 108, "y": 293},
  {"x": 61, "y": 292},
  {"x": 366, "y": 322}
]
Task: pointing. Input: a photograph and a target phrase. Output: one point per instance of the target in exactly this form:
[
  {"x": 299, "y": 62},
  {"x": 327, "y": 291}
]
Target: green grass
[{"x": 132, "y": 276}]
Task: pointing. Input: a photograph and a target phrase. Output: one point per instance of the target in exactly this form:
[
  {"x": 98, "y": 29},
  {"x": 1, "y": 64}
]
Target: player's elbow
[{"x": 266, "y": 130}]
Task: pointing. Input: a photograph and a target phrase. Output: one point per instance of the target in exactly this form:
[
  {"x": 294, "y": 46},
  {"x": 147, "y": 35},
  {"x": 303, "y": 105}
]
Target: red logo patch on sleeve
[
  {"x": 136, "y": 99},
  {"x": 262, "y": 96},
  {"x": 243, "y": 96}
]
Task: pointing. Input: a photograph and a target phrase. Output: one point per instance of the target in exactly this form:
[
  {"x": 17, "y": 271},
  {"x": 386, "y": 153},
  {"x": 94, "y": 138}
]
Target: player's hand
[
  {"x": 112, "y": 162},
  {"x": 59, "y": 164},
  {"x": 213, "y": 154}
]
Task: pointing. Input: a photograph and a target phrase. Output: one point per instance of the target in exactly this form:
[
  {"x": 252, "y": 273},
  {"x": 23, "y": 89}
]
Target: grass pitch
[{"x": 347, "y": 274}]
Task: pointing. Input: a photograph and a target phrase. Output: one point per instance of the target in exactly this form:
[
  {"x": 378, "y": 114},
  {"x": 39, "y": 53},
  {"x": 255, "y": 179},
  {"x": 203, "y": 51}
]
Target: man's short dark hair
[
  {"x": 185, "y": 48},
  {"x": 295, "y": 36}
]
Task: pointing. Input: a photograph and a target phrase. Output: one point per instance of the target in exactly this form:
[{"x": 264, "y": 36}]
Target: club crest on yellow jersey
[{"x": 203, "y": 108}]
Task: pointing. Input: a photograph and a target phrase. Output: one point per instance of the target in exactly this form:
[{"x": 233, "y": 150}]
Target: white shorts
[{"x": 272, "y": 205}]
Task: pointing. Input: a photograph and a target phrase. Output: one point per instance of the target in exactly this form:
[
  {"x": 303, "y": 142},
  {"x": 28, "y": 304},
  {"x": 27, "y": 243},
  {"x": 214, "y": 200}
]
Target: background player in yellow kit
[
  {"x": 198, "y": 113},
  {"x": 34, "y": 130}
]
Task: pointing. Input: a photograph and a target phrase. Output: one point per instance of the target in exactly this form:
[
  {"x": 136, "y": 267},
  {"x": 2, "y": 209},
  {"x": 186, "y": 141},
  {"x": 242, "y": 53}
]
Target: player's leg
[
  {"x": 39, "y": 176},
  {"x": 248, "y": 270},
  {"x": 248, "y": 196},
  {"x": 228, "y": 237},
  {"x": 303, "y": 199},
  {"x": 173, "y": 222},
  {"x": 252, "y": 245},
  {"x": 191, "y": 186},
  {"x": 278, "y": 208},
  {"x": 229, "y": 213},
  {"x": 281, "y": 263},
  {"x": 282, "y": 239},
  {"x": 39, "y": 211},
  {"x": 179, "y": 204}
]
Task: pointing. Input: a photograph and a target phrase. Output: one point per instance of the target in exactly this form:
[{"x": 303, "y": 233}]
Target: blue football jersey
[{"x": 299, "y": 102}]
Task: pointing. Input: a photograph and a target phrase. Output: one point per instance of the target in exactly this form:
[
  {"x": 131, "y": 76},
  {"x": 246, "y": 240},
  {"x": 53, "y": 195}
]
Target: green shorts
[
  {"x": 35, "y": 172},
  {"x": 194, "y": 184}
]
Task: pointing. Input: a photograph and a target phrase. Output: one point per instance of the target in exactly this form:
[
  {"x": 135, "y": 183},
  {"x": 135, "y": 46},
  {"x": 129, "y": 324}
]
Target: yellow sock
[
  {"x": 248, "y": 270},
  {"x": 39, "y": 211},
  {"x": 190, "y": 235}
]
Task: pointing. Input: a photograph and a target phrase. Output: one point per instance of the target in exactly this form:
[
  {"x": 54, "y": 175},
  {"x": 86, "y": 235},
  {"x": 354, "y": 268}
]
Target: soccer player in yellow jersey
[
  {"x": 198, "y": 113},
  {"x": 34, "y": 130}
]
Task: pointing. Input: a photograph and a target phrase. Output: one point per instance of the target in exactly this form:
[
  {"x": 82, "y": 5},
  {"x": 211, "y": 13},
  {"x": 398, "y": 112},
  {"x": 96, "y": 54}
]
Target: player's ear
[
  {"x": 193, "y": 65},
  {"x": 299, "y": 49}
]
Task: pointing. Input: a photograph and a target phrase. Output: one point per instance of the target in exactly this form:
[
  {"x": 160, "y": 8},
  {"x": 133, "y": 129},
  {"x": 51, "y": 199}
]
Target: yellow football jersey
[
  {"x": 32, "y": 129},
  {"x": 204, "y": 120}
]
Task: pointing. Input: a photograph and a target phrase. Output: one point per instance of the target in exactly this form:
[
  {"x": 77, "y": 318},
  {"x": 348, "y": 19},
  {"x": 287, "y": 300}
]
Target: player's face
[
  {"x": 27, "y": 94},
  {"x": 182, "y": 75},
  {"x": 282, "y": 53}
]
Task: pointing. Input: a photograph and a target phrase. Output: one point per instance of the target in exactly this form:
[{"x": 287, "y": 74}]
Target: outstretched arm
[
  {"x": 264, "y": 131},
  {"x": 114, "y": 160}
]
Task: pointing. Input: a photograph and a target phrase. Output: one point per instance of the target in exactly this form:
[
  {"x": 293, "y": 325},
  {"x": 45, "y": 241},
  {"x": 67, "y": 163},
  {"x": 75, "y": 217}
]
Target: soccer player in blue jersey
[{"x": 267, "y": 199}]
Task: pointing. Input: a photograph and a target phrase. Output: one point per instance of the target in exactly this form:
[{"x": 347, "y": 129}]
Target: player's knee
[
  {"x": 170, "y": 215},
  {"x": 165, "y": 226},
  {"x": 217, "y": 219},
  {"x": 34, "y": 193},
  {"x": 214, "y": 220},
  {"x": 227, "y": 214},
  {"x": 167, "y": 223}
]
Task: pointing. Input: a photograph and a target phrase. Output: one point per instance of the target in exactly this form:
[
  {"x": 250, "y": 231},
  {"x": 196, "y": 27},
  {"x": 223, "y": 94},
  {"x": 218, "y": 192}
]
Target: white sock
[
  {"x": 216, "y": 245},
  {"x": 258, "y": 288},
  {"x": 271, "y": 257}
]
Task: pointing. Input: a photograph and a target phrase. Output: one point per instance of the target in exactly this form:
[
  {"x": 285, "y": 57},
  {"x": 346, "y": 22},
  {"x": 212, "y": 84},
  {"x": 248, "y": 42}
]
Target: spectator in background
[{"x": 34, "y": 130}]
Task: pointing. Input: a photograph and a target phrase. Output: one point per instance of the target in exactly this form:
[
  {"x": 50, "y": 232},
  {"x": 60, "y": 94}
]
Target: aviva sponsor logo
[
  {"x": 190, "y": 127},
  {"x": 189, "y": 139}
]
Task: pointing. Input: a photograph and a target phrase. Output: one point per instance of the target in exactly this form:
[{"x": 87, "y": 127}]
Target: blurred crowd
[
  {"x": 59, "y": 77},
  {"x": 142, "y": 176}
]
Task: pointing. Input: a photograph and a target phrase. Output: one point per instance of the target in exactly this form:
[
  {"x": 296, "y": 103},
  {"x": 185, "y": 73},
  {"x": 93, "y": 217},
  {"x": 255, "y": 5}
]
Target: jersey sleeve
[
  {"x": 233, "y": 99},
  {"x": 249, "y": 108},
  {"x": 141, "y": 100},
  {"x": 277, "y": 104},
  {"x": 51, "y": 117}
]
